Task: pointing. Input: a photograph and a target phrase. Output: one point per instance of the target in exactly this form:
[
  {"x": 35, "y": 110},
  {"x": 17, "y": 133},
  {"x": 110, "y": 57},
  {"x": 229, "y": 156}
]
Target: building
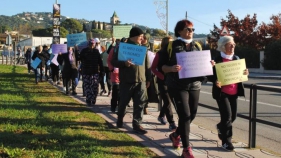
[
  {"x": 36, "y": 41},
  {"x": 114, "y": 19}
]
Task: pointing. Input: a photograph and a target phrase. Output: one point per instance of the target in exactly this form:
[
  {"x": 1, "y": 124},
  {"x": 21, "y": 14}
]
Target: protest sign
[
  {"x": 59, "y": 48},
  {"x": 231, "y": 72},
  {"x": 54, "y": 59},
  {"x": 194, "y": 64},
  {"x": 120, "y": 31},
  {"x": 35, "y": 63},
  {"x": 151, "y": 57},
  {"x": 132, "y": 52},
  {"x": 79, "y": 39}
]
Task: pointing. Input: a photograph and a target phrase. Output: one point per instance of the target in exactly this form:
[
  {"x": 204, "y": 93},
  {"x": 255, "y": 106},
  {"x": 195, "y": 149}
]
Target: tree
[
  {"x": 94, "y": 25},
  {"x": 84, "y": 27},
  {"x": 159, "y": 33},
  {"x": 43, "y": 32},
  {"x": 63, "y": 32},
  {"x": 245, "y": 32},
  {"x": 272, "y": 56},
  {"x": 72, "y": 25},
  {"x": 5, "y": 28}
]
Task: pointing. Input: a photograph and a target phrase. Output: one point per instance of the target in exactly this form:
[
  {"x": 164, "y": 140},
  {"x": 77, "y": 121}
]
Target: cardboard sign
[
  {"x": 151, "y": 57},
  {"x": 54, "y": 59},
  {"x": 231, "y": 72},
  {"x": 79, "y": 39},
  {"x": 194, "y": 64},
  {"x": 35, "y": 63},
  {"x": 59, "y": 48},
  {"x": 120, "y": 31},
  {"x": 132, "y": 52}
]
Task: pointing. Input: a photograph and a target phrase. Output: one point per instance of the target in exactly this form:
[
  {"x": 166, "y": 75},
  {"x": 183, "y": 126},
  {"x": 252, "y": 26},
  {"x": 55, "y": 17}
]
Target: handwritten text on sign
[
  {"x": 132, "y": 52},
  {"x": 194, "y": 64},
  {"x": 120, "y": 31},
  {"x": 231, "y": 72},
  {"x": 59, "y": 48},
  {"x": 79, "y": 39}
]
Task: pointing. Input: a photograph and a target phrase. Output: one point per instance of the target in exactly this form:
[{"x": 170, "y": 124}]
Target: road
[{"x": 268, "y": 108}]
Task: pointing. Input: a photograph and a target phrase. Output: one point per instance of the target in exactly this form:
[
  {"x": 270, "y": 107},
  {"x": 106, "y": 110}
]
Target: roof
[{"x": 114, "y": 15}]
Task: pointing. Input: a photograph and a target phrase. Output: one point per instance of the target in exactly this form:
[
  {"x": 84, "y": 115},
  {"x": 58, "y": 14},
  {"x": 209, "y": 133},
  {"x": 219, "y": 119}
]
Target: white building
[{"x": 36, "y": 41}]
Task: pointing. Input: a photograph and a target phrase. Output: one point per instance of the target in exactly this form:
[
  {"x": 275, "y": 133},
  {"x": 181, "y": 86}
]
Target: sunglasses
[{"x": 189, "y": 29}]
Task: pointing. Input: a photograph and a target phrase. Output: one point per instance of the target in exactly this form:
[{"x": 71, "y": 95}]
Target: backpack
[{"x": 170, "y": 47}]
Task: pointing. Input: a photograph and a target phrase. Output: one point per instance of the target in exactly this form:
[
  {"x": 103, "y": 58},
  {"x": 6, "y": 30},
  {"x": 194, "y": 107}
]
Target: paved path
[{"x": 204, "y": 142}]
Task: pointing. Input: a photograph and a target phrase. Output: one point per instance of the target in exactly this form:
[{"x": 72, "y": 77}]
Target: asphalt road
[{"x": 268, "y": 109}]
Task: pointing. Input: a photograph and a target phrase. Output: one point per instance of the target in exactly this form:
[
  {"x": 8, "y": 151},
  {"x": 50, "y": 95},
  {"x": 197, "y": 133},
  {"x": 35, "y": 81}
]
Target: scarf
[
  {"x": 185, "y": 40},
  {"x": 71, "y": 57},
  {"x": 229, "y": 57}
]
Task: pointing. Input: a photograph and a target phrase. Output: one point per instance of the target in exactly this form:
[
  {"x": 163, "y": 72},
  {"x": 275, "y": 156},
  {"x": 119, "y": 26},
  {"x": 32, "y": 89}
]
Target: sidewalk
[{"x": 204, "y": 142}]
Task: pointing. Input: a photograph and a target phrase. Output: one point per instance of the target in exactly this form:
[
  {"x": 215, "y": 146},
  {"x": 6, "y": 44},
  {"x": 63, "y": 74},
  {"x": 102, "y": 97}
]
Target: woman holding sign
[
  {"x": 226, "y": 96},
  {"x": 183, "y": 92}
]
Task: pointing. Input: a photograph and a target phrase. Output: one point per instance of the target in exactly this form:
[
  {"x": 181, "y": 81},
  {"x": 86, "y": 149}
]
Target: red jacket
[{"x": 114, "y": 75}]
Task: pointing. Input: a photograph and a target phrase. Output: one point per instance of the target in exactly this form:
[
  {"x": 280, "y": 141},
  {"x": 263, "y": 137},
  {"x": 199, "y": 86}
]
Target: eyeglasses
[{"x": 189, "y": 29}]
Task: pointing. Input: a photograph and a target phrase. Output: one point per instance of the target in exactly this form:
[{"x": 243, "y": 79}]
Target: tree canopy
[
  {"x": 72, "y": 25},
  {"x": 246, "y": 31}
]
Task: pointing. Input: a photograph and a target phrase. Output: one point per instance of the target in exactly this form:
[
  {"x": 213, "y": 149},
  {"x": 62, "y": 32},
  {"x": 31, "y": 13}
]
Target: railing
[
  {"x": 253, "y": 111},
  {"x": 12, "y": 60}
]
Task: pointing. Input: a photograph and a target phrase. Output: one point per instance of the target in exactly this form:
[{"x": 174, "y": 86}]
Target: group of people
[
  {"x": 182, "y": 93},
  {"x": 129, "y": 81}
]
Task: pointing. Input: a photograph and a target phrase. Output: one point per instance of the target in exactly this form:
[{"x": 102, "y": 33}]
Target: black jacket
[
  {"x": 70, "y": 70},
  {"x": 216, "y": 91},
  {"x": 91, "y": 61},
  {"x": 172, "y": 78},
  {"x": 41, "y": 56}
]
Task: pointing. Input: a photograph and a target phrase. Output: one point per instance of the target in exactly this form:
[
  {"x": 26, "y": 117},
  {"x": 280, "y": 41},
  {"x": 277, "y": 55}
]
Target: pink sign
[{"x": 194, "y": 64}]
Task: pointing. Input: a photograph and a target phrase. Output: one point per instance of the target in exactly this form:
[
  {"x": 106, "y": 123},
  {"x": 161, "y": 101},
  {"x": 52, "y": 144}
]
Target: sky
[{"x": 203, "y": 13}]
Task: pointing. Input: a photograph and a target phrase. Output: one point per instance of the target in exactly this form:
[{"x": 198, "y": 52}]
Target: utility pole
[{"x": 167, "y": 18}]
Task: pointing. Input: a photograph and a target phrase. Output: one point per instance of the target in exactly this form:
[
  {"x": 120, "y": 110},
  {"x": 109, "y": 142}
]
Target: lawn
[{"x": 38, "y": 121}]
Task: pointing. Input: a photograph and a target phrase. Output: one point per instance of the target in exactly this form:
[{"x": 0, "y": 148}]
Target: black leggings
[
  {"x": 166, "y": 109},
  {"x": 228, "y": 111},
  {"x": 186, "y": 103}
]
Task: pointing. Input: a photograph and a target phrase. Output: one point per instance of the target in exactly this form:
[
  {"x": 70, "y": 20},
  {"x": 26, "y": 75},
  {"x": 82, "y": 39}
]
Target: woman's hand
[
  {"x": 128, "y": 63},
  {"x": 218, "y": 84},
  {"x": 175, "y": 68},
  {"x": 213, "y": 63},
  {"x": 246, "y": 72}
]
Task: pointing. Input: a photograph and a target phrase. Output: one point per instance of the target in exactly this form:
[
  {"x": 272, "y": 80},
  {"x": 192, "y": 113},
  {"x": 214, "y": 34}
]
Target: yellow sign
[{"x": 231, "y": 72}]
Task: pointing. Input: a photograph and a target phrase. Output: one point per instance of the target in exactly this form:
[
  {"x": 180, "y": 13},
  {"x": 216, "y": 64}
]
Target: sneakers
[
  {"x": 119, "y": 123},
  {"x": 112, "y": 109},
  {"x": 139, "y": 129},
  {"x": 172, "y": 126},
  {"x": 109, "y": 92},
  {"x": 162, "y": 120},
  {"x": 145, "y": 111},
  {"x": 88, "y": 103},
  {"x": 219, "y": 132},
  {"x": 101, "y": 92},
  {"x": 228, "y": 146},
  {"x": 187, "y": 153},
  {"x": 175, "y": 140}
]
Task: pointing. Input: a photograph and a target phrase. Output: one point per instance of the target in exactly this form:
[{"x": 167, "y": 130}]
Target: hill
[{"x": 27, "y": 21}]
